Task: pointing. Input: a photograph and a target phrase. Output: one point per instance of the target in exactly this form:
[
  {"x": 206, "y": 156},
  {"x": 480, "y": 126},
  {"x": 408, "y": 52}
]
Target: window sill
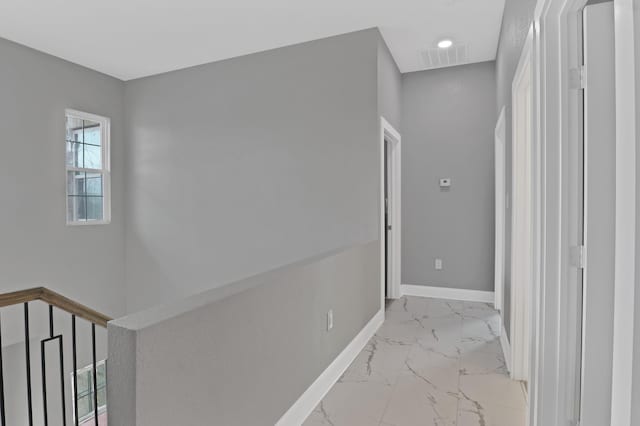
[{"x": 89, "y": 223}]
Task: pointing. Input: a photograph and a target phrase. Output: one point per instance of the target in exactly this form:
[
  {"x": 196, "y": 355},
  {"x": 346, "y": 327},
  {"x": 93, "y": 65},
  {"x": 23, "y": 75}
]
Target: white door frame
[
  {"x": 500, "y": 195},
  {"x": 554, "y": 387},
  {"x": 389, "y": 133},
  {"x": 626, "y": 272},
  {"x": 522, "y": 212}
]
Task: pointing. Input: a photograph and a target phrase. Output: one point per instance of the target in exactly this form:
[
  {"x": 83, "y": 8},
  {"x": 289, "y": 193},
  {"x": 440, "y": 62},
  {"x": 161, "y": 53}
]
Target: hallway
[{"x": 433, "y": 362}]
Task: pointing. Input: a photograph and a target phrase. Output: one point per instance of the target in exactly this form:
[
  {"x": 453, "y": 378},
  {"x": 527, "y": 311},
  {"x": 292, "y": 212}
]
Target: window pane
[
  {"x": 84, "y": 141},
  {"x": 93, "y": 184},
  {"x": 102, "y": 397},
  {"x": 85, "y": 406},
  {"x": 102, "y": 375},
  {"x": 85, "y": 193},
  {"x": 74, "y": 129},
  {"x": 83, "y": 383},
  {"x": 76, "y": 183},
  {"x": 92, "y": 157},
  {"x": 94, "y": 208},
  {"x": 75, "y": 154},
  {"x": 76, "y": 208},
  {"x": 92, "y": 133}
]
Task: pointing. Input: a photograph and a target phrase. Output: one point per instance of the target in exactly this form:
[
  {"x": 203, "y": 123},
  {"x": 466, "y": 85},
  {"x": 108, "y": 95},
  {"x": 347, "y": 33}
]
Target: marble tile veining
[{"x": 432, "y": 363}]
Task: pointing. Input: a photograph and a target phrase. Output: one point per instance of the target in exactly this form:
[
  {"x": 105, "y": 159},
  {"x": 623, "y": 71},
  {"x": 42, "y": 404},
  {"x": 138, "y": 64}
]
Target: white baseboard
[
  {"x": 506, "y": 347},
  {"x": 447, "y": 293},
  {"x": 300, "y": 410}
]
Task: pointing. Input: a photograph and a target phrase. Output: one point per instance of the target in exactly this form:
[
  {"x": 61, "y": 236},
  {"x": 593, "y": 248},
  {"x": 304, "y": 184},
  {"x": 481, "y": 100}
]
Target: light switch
[{"x": 438, "y": 264}]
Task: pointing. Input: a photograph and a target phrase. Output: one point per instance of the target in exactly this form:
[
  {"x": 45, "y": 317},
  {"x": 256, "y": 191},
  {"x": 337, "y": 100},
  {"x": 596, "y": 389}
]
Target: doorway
[{"x": 390, "y": 211}]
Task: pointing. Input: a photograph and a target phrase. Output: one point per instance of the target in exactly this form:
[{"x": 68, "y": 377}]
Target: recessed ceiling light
[{"x": 445, "y": 44}]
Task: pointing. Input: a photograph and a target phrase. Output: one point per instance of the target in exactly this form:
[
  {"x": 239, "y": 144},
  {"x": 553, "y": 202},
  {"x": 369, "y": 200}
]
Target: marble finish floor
[{"x": 432, "y": 362}]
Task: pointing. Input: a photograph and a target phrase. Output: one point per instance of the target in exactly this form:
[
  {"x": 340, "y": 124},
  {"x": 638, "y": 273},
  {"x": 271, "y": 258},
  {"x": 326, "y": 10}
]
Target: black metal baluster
[
  {"x": 63, "y": 399},
  {"x": 44, "y": 383},
  {"x": 95, "y": 374},
  {"x": 2, "y": 413},
  {"x": 75, "y": 371},
  {"x": 43, "y": 370},
  {"x": 50, "y": 321},
  {"x": 43, "y": 343},
  {"x": 28, "y": 360}
]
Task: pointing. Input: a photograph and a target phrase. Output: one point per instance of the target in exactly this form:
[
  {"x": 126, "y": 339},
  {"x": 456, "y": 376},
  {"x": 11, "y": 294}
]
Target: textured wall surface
[
  {"x": 245, "y": 357},
  {"x": 38, "y": 248},
  {"x": 448, "y": 122},
  {"x": 389, "y": 87},
  {"x": 240, "y": 166}
]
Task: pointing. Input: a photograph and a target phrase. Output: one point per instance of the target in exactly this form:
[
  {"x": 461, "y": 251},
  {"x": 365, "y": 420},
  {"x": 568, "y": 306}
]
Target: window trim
[{"x": 105, "y": 134}]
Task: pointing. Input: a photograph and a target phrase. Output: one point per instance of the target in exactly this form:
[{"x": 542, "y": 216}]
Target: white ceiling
[{"x": 135, "y": 38}]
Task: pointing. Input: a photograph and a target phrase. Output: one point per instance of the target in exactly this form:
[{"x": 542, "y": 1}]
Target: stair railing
[{"x": 77, "y": 310}]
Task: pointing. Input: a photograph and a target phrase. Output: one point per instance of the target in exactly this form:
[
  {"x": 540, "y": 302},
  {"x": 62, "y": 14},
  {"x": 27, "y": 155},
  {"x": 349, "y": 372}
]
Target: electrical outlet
[
  {"x": 438, "y": 264},
  {"x": 330, "y": 319}
]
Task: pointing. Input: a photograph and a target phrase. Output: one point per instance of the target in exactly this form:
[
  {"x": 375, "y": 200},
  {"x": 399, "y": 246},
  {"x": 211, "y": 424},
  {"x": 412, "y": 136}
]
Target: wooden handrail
[{"x": 54, "y": 299}]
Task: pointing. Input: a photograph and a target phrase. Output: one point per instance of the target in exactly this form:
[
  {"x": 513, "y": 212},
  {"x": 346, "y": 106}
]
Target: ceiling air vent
[{"x": 457, "y": 54}]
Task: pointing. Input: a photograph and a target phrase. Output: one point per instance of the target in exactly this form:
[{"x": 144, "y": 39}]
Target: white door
[{"x": 599, "y": 214}]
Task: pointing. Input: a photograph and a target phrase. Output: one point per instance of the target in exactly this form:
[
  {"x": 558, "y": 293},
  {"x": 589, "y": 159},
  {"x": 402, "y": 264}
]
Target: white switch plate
[
  {"x": 330, "y": 319},
  {"x": 445, "y": 182},
  {"x": 438, "y": 264}
]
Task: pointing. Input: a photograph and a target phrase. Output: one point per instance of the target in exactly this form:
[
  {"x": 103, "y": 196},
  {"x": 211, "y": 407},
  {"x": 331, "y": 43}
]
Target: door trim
[
  {"x": 500, "y": 196},
  {"x": 523, "y": 202},
  {"x": 553, "y": 391},
  {"x": 389, "y": 133},
  {"x": 626, "y": 274}
]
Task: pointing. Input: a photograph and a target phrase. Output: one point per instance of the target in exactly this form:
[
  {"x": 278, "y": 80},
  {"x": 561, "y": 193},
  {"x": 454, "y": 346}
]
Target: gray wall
[
  {"x": 85, "y": 263},
  {"x": 389, "y": 86},
  {"x": 240, "y": 166},
  {"x": 517, "y": 18},
  {"x": 38, "y": 248},
  {"x": 635, "y": 398},
  {"x": 202, "y": 360},
  {"x": 448, "y": 124}
]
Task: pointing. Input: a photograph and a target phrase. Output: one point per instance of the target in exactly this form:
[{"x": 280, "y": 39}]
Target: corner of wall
[{"x": 121, "y": 375}]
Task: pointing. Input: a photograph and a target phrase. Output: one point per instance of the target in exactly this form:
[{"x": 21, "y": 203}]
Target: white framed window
[
  {"x": 88, "y": 170},
  {"x": 85, "y": 403}
]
